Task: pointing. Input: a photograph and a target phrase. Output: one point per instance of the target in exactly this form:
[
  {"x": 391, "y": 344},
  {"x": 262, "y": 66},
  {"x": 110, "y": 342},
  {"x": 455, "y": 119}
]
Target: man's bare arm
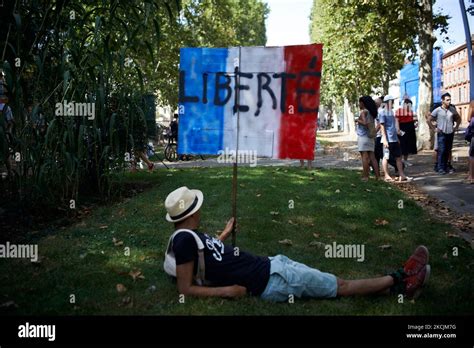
[
  {"x": 384, "y": 135},
  {"x": 184, "y": 275},
  {"x": 227, "y": 230}
]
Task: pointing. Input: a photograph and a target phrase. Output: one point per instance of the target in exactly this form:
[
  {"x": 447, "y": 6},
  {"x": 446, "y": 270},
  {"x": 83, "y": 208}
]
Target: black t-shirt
[{"x": 223, "y": 265}]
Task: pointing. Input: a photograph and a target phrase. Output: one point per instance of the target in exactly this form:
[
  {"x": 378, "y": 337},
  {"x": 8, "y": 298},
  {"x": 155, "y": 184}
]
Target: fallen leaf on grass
[
  {"x": 403, "y": 229},
  {"x": 291, "y": 222},
  {"x": 136, "y": 275},
  {"x": 381, "y": 222},
  {"x": 286, "y": 242},
  {"x": 452, "y": 235},
  {"x": 337, "y": 191},
  {"x": 258, "y": 194},
  {"x": 385, "y": 247},
  {"x": 316, "y": 235},
  {"x": 117, "y": 242},
  {"x": 121, "y": 288},
  {"x": 103, "y": 227},
  {"x": 242, "y": 185},
  {"x": 318, "y": 244},
  {"x": 368, "y": 190},
  {"x": 127, "y": 301},
  {"x": 274, "y": 213}
]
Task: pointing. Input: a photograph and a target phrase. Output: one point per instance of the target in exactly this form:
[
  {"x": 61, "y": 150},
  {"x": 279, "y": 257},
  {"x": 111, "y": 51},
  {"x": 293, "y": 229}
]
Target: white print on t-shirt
[{"x": 217, "y": 246}]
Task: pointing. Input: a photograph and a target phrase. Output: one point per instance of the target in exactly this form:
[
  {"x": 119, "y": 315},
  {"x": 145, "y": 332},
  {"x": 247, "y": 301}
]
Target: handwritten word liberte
[{"x": 223, "y": 82}]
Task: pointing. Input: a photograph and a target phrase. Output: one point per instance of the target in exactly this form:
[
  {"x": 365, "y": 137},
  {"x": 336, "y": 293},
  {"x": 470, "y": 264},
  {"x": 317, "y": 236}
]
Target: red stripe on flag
[{"x": 298, "y": 130}]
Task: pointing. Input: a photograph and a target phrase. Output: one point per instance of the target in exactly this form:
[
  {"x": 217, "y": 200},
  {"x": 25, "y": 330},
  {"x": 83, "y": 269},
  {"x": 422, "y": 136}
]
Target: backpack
[
  {"x": 169, "y": 265},
  {"x": 469, "y": 133},
  {"x": 371, "y": 126}
]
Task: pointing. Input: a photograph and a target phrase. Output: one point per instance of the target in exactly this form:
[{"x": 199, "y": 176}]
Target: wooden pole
[{"x": 234, "y": 171}]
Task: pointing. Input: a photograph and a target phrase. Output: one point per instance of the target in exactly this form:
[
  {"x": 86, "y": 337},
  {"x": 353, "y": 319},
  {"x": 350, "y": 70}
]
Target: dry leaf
[
  {"x": 242, "y": 185},
  {"x": 403, "y": 229},
  {"x": 285, "y": 242},
  {"x": 258, "y": 194},
  {"x": 121, "y": 288},
  {"x": 353, "y": 185},
  {"x": 291, "y": 222},
  {"x": 368, "y": 190},
  {"x": 117, "y": 242},
  {"x": 381, "y": 222},
  {"x": 337, "y": 191},
  {"x": 136, "y": 275},
  {"x": 103, "y": 227},
  {"x": 142, "y": 258},
  {"x": 318, "y": 244},
  {"x": 452, "y": 235},
  {"x": 274, "y": 213},
  {"x": 316, "y": 235},
  {"x": 385, "y": 247}
]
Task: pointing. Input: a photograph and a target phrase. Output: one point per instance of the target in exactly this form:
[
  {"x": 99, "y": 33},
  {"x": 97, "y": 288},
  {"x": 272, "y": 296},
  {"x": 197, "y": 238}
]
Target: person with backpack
[
  {"x": 366, "y": 133},
  {"x": 205, "y": 267}
]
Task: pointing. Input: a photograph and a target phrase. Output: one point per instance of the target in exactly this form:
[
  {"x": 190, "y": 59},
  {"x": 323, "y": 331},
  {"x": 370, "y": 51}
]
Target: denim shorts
[{"x": 288, "y": 277}]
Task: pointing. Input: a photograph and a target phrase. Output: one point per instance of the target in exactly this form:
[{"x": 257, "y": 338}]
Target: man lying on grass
[{"x": 204, "y": 266}]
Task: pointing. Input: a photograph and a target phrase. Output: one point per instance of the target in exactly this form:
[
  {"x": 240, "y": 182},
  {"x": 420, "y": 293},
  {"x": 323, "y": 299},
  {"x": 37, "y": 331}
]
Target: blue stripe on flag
[{"x": 201, "y": 125}]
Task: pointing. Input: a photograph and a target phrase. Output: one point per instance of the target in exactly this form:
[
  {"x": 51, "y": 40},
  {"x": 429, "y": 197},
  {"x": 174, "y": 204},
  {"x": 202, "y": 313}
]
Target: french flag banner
[{"x": 261, "y": 99}]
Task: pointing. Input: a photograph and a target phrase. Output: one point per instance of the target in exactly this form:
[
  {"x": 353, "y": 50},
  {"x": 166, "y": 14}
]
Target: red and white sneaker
[
  {"x": 417, "y": 261},
  {"x": 416, "y": 282}
]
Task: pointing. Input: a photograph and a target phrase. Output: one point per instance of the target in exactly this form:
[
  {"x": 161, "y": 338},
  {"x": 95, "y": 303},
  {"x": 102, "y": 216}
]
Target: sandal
[
  {"x": 407, "y": 179},
  {"x": 389, "y": 180}
]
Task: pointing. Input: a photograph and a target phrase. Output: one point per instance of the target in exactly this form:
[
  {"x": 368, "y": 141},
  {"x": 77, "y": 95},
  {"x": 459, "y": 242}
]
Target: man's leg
[
  {"x": 364, "y": 286},
  {"x": 449, "y": 149},
  {"x": 442, "y": 154},
  {"x": 385, "y": 169}
]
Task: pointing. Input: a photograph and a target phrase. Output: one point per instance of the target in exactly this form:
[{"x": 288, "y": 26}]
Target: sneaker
[
  {"x": 415, "y": 283},
  {"x": 451, "y": 169},
  {"x": 442, "y": 172},
  {"x": 417, "y": 261}
]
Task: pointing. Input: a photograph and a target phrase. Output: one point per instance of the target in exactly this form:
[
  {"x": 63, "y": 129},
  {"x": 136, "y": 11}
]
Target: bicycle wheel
[{"x": 171, "y": 153}]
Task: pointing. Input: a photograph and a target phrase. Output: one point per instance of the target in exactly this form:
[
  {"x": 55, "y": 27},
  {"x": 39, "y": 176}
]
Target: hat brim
[{"x": 200, "y": 198}]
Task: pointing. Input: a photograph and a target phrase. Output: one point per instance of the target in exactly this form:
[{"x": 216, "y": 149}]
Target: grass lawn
[{"x": 84, "y": 261}]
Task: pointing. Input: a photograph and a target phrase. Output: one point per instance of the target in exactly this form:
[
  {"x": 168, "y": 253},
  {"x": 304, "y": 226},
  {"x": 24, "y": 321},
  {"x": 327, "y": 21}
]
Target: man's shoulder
[{"x": 436, "y": 110}]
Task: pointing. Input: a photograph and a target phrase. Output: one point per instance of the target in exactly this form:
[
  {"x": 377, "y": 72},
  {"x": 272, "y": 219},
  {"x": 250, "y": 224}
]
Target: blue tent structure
[{"x": 410, "y": 80}]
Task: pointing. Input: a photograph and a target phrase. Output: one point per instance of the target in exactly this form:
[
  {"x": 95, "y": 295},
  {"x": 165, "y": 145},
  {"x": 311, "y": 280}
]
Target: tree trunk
[
  {"x": 349, "y": 124},
  {"x": 425, "y": 90}
]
